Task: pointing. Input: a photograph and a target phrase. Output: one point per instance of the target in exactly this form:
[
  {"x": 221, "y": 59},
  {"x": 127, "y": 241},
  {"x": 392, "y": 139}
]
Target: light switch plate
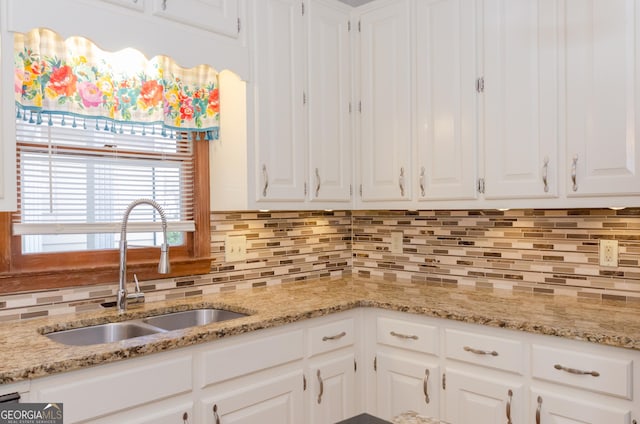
[
  {"x": 235, "y": 248},
  {"x": 608, "y": 252},
  {"x": 396, "y": 242}
]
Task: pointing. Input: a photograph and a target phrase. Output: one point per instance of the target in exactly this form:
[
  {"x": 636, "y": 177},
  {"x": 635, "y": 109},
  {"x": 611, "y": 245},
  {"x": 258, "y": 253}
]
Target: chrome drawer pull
[
  {"x": 480, "y": 352},
  {"x": 510, "y": 393},
  {"x": 265, "y": 176},
  {"x": 574, "y": 173},
  {"x": 401, "y": 181},
  {"x": 422, "y": 190},
  {"x": 318, "y": 181},
  {"x": 545, "y": 171},
  {"x": 404, "y": 336},
  {"x": 215, "y": 414},
  {"x": 321, "y": 388},
  {"x": 336, "y": 337},
  {"x": 425, "y": 386},
  {"x": 576, "y": 371},
  {"x": 538, "y": 410}
]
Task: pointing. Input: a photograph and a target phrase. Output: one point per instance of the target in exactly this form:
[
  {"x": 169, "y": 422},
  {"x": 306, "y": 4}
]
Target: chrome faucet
[{"x": 163, "y": 266}]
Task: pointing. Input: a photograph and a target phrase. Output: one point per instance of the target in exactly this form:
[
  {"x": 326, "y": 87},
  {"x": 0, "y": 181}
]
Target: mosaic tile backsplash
[
  {"x": 552, "y": 252},
  {"x": 537, "y": 251}
]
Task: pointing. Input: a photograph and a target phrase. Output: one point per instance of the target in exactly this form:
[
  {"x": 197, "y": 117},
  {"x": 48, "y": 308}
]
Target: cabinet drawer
[
  {"x": 488, "y": 351},
  {"x": 246, "y": 357},
  {"x": 590, "y": 372},
  {"x": 331, "y": 336},
  {"x": 407, "y": 335},
  {"x": 95, "y": 392}
]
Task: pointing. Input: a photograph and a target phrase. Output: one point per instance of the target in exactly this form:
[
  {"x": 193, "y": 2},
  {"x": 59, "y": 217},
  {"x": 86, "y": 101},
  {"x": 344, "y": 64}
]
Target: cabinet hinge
[
  {"x": 481, "y": 185},
  {"x": 305, "y": 188},
  {"x": 444, "y": 381},
  {"x": 360, "y": 106},
  {"x": 480, "y": 85},
  {"x": 360, "y": 190},
  {"x": 302, "y": 8},
  {"x": 359, "y": 27},
  {"x": 350, "y": 190},
  {"x": 304, "y": 98},
  {"x": 355, "y": 366},
  {"x": 239, "y": 26},
  {"x": 349, "y": 26},
  {"x": 375, "y": 363},
  {"x": 349, "y": 107},
  {"x": 304, "y": 382}
]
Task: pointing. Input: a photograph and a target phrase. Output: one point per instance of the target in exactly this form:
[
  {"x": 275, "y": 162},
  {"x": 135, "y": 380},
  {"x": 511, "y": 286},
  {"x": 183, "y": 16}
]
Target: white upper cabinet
[
  {"x": 279, "y": 121},
  {"x": 385, "y": 102},
  {"x": 219, "y": 16},
  {"x": 519, "y": 90},
  {"x": 446, "y": 112},
  {"x": 603, "y": 97},
  {"x": 329, "y": 95}
]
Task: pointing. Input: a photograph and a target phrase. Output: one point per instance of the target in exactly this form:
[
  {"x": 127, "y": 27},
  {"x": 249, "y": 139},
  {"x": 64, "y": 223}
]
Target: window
[{"x": 76, "y": 182}]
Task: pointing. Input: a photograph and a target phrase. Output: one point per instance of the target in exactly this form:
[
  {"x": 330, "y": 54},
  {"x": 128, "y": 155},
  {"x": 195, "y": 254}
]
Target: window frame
[{"x": 19, "y": 273}]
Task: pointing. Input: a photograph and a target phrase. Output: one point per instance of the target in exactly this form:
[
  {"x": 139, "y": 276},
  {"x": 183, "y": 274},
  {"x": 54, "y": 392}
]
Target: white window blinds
[{"x": 76, "y": 178}]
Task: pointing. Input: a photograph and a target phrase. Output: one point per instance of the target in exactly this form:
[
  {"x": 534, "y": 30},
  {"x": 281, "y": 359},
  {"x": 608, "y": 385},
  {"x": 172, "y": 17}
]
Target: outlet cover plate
[
  {"x": 235, "y": 248},
  {"x": 396, "y": 242},
  {"x": 608, "y": 252}
]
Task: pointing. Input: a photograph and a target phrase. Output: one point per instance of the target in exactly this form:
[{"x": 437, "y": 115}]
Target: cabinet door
[
  {"x": 446, "y": 114},
  {"x": 276, "y": 400},
  {"x": 279, "y": 82},
  {"x": 485, "y": 397},
  {"x": 385, "y": 91},
  {"x": 551, "y": 408},
  {"x": 131, "y": 4},
  {"x": 520, "y": 98},
  {"x": 329, "y": 53},
  {"x": 219, "y": 16},
  {"x": 332, "y": 391},
  {"x": 603, "y": 97},
  {"x": 406, "y": 385}
]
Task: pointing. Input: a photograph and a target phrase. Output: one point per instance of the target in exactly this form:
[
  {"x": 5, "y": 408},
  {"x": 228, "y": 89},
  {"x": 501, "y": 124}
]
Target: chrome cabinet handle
[
  {"x": 576, "y": 371},
  {"x": 317, "y": 182},
  {"x": 425, "y": 386},
  {"x": 422, "y": 183},
  {"x": 545, "y": 172},
  {"x": 538, "y": 410},
  {"x": 215, "y": 413},
  {"x": 185, "y": 416},
  {"x": 321, "y": 388},
  {"x": 574, "y": 171},
  {"x": 510, "y": 394},
  {"x": 480, "y": 352},
  {"x": 404, "y": 336},
  {"x": 265, "y": 177},
  {"x": 336, "y": 337},
  {"x": 401, "y": 181},
  {"x": 164, "y": 4}
]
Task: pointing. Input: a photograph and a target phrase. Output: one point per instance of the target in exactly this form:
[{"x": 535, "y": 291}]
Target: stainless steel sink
[
  {"x": 103, "y": 333},
  {"x": 117, "y": 331},
  {"x": 192, "y": 318}
]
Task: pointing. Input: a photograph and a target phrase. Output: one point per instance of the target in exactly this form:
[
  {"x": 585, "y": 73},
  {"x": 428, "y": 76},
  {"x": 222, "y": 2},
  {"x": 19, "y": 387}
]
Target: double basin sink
[{"x": 117, "y": 331}]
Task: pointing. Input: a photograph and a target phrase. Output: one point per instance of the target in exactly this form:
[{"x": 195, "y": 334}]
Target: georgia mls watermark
[{"x": 31, "y": 413}]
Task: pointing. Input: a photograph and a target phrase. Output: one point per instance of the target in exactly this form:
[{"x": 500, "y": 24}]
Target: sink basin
[
  {"x": 117, "y": 331},
  {"x": 192, "y": 318},
  {"x": 103, "y": 333}
]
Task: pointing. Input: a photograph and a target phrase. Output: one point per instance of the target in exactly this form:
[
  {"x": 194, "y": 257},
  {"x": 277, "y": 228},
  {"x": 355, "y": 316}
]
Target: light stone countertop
[{"x": 26, "y": 354}]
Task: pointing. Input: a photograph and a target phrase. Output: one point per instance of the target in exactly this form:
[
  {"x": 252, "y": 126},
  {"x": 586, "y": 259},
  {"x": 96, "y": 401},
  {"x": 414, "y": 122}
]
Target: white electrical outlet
[
  {"x": 396, "y": 242},
  {"x": 235, "y": 248},
  {"x": 608, "y": 252}
]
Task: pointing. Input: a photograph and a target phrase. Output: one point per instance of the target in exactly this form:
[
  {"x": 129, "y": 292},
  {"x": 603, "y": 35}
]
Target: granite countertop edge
[{"x": 27, "y": 354}]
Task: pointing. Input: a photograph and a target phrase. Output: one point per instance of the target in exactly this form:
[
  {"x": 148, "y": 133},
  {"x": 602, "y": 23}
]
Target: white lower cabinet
[
  {"x": 482, "y": 397},
  {"x": 406, "y": 385},
  {"x": 331, "y": 386},
  {"x": 555, "y": 408},
  {"x": 275, "y": 399}
]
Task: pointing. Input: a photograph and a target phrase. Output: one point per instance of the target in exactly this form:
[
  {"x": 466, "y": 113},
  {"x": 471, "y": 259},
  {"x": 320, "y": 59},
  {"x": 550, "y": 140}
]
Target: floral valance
[{"x": 75, "y": 78}]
